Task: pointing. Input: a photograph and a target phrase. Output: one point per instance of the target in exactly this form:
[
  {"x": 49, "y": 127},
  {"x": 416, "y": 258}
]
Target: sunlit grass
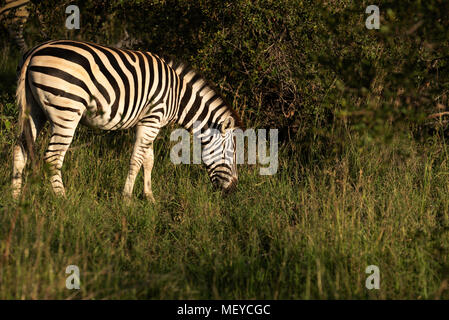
[
  {"x": 308, "y": 232},
  {"x": 304, "y": 233}
]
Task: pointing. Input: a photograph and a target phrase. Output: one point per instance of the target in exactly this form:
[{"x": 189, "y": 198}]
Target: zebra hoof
[
  {"x": 60, "y": 194},
  {"x": 16, "y": 195},
  {"x": 126, "y": 197},
  {"x": 150, "y": 197}
]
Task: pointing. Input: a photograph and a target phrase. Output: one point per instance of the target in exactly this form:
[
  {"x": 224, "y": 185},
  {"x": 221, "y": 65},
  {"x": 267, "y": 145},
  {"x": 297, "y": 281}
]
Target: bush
[{"x": 310, "y": 69}]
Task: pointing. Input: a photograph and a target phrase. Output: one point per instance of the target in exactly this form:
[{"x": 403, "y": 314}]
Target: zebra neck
[{"x": 201, "y": 107}]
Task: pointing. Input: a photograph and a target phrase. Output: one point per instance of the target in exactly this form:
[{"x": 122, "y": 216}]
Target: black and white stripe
[{"x": 66, "y": 82}]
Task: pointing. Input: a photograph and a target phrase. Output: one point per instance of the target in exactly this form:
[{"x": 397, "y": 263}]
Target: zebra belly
[{"x": 94, "y": 119}]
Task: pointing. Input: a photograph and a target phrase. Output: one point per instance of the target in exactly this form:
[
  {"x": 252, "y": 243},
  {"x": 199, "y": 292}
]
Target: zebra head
[{"x": 219, "y": 155}]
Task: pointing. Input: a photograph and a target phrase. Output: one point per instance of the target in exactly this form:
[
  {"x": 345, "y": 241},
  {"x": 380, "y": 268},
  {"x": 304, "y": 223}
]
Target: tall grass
[{"x": 307, "y": 232}]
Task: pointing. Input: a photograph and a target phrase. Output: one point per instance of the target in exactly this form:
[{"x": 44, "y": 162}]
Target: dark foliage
[{"x": 310, "y": 69}]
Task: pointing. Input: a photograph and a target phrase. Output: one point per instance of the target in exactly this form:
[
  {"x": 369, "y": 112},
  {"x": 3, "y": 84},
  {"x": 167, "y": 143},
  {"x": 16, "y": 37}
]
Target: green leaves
[{"x": 294, "y": 65}]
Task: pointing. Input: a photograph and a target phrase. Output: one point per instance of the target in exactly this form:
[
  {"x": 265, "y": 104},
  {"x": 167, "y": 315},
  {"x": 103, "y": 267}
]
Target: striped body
[
  {"x": 67, "y": 82},
  {"x": 111, "y": 88}
]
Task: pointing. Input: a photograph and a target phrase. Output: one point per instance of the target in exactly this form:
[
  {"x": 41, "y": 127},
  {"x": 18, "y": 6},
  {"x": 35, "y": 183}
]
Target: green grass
[
  {"x": 307, "y": 232},
  {"x": 304, "y": 233}
]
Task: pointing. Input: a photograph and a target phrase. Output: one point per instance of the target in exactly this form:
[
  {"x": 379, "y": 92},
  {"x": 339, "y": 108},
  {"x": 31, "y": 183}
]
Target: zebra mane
[{"x": 182, "y": 69}]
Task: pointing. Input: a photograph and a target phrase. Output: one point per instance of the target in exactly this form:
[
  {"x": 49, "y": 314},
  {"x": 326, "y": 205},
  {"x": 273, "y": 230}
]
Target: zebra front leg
[
  {"x": 142, "y": 152},
  {"x": 147, "y": 168},
  {"x": 134, "y": 168}
]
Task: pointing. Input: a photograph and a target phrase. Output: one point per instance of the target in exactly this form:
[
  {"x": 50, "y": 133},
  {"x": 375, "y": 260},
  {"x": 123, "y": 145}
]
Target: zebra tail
[
  {"x": 25, "y": 102},
  {"x": 21, "y": 96},
  {"x": 24, "y": 97}
]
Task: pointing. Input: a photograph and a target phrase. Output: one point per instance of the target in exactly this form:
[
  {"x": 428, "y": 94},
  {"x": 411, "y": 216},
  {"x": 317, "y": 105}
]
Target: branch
[{"x": 439, "y": 114}]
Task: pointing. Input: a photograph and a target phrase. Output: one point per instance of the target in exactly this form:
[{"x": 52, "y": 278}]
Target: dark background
[{"x": 309, "y": 68}]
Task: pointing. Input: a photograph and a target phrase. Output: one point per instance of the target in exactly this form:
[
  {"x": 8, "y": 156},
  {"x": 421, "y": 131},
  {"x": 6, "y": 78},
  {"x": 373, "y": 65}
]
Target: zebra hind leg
[
  {"x": 23, "y": 149},
  {"x": 20, "y": 158},
  {"x": 61, "y": 138}
]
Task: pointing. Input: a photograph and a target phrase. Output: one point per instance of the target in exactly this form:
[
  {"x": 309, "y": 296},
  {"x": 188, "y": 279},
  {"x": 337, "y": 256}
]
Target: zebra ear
[{"x": 227, "y": 124}]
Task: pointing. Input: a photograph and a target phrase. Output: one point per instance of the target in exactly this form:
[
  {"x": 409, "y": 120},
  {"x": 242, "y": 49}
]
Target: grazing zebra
[
  {"x": 67, "y": 81},
  {"x": 14, "y": 15}
]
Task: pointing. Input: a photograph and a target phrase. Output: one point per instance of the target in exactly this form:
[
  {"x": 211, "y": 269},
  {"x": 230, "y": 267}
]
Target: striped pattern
[
  {"x": 67, "y": 82},
  {"x": 14, "y": 14}
]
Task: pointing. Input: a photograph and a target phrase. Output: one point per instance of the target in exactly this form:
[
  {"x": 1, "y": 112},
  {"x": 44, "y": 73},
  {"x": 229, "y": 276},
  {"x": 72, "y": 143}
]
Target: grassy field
[
  {"x": 307, "y": 232},
  {"x": 304, "y": 233}
]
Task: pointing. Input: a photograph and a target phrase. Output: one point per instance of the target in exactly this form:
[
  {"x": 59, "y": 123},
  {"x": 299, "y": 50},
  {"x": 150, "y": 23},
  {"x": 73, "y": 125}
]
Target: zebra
[
  {"x": 14, "y": 14},
  {"x": 67, "y": 82}
]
